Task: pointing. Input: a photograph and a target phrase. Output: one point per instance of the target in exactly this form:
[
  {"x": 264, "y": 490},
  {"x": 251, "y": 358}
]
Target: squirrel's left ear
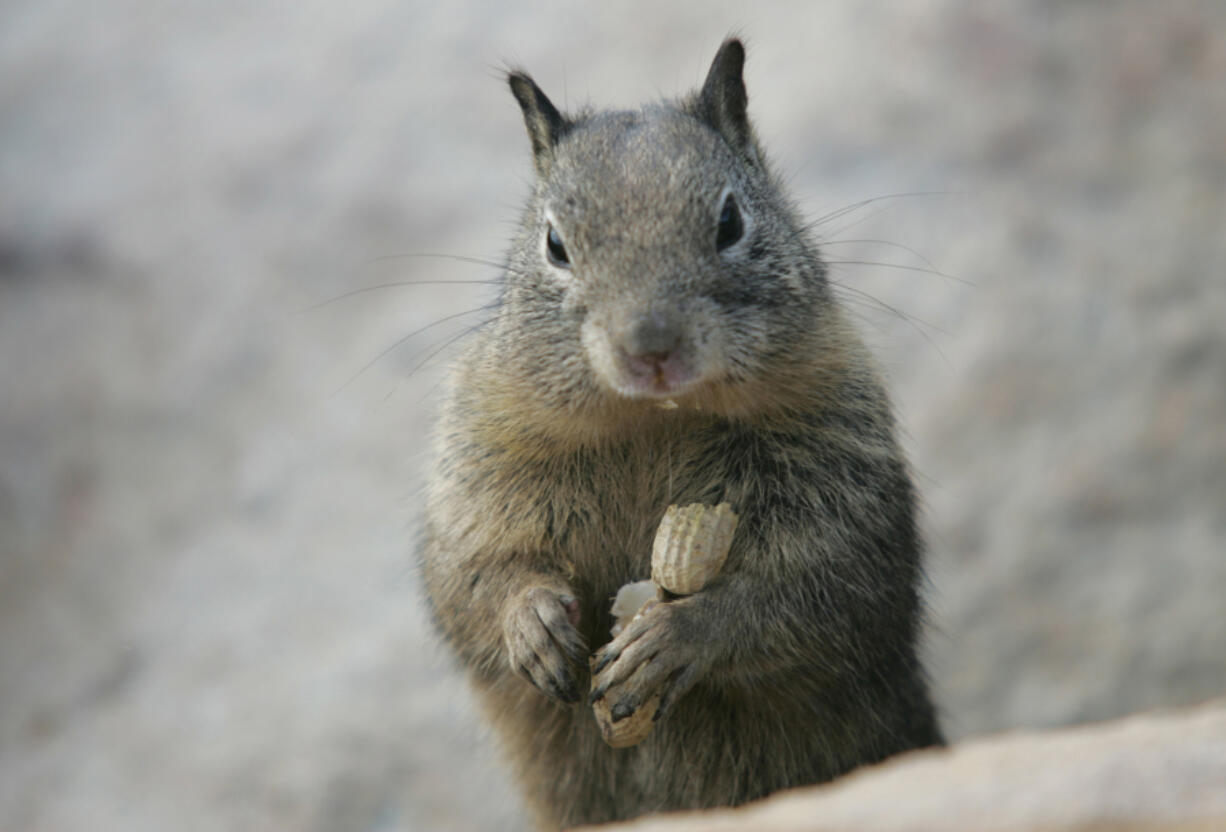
[
  {"x": 722, "y": 102},
  {"x": 545, "y": 124}
]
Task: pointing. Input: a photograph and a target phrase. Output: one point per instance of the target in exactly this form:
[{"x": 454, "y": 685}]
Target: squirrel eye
[
  {"x": 730, "y": 228},
  {"x": 555, "y": 249}
]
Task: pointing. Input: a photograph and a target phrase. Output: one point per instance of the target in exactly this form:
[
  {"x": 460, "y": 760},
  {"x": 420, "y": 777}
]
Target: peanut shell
[
  {"x": 629, "y": 731},
  {"x": 691, "y": 545}
]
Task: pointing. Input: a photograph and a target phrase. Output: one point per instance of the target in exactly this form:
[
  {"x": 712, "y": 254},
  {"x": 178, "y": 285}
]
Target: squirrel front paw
[
  {"x": 659, "y": 653},
  {"x": 542, "y": 641}
]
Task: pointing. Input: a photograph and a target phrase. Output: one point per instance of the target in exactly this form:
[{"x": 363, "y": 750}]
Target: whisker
[
  {"x": 502, "y": 267},
  {"x": 404, "y": 339},
  {"x": 854, "y": 221},
  {"x": 903, "y": 266},
  {"x": 915, "y": 323},
  {"x": 856, "y": 206},
  {"x": 887, "y": 307},
  {"x": 463, "y": 333},
  {"x": 395, "y": 283},
  {"x": 451, "y": 341},
  {"x": 435, "y": 352},
  {"x": 889, "y": 243},
  {"x": 432, "y": 255}
]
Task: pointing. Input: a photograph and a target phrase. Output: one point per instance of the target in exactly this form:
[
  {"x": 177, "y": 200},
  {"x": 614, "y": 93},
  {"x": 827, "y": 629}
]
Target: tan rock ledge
[{"x": 1163, "y": 770}]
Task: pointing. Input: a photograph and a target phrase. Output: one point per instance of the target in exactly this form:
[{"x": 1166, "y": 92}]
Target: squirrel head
[{"x": 657, "y": 258}]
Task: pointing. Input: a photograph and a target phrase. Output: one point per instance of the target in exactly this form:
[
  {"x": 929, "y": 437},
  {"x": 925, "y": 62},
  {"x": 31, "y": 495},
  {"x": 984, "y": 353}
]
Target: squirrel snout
[
  {"x": 648, "y": 353},
  {"x": 652, "y": 356},
  {"x": 653, "y": 338}
]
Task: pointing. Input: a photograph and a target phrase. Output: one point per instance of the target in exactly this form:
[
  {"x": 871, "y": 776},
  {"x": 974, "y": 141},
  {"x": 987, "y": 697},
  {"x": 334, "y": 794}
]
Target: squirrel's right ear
[
  {"x": 545, "y": 124},
  {"x": 722, "y": 101}
]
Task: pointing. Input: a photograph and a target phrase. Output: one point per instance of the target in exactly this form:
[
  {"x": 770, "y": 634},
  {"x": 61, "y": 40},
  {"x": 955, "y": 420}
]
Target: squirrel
[{"x": 666, "y": 334}]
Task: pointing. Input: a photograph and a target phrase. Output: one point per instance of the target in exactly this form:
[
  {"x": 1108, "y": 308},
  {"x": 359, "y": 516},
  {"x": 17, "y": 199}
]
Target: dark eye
[
  {"x": 555, "y": 249},
  {"x": 731, "y": 228}
]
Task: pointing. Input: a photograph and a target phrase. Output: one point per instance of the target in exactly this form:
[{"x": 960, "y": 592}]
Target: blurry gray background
[{"x": 208, "y": 611}]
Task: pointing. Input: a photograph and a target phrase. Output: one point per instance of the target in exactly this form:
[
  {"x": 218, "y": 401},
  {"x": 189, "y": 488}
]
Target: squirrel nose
[{"x": 654, "y": 337}]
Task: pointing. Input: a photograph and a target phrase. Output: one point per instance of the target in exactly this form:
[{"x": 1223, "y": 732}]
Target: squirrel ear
[
  {"x": 545, "y": 124},
  {"x": 722, "y": 102}
]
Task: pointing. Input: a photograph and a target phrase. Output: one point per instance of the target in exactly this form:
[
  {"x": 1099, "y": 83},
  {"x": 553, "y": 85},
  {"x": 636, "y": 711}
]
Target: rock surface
[
  {"x": 208, "y": 489},
  {"x": 1161, "y": 771}
]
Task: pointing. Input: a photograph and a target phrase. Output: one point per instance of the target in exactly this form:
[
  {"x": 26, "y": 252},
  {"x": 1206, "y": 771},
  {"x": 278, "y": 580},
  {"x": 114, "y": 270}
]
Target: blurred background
[{"x": 209, "y": 483}]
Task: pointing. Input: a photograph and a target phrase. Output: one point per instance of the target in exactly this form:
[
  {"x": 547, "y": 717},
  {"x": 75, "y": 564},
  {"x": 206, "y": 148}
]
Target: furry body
[{"x": 658, "y": 263}]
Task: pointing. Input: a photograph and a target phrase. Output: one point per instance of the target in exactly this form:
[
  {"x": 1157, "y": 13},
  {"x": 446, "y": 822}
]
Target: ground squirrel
[{"x": 666, "y": 334}]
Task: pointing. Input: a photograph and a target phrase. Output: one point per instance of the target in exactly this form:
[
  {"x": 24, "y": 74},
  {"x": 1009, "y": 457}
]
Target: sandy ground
[{"x": 209, "y": 617}]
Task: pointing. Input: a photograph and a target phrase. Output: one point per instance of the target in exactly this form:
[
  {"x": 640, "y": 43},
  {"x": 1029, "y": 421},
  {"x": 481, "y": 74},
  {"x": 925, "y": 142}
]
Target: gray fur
[{"x": 556, "y": 462}]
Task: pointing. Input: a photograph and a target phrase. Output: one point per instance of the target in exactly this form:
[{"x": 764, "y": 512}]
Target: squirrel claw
[{"x": 608, "y": 657}]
